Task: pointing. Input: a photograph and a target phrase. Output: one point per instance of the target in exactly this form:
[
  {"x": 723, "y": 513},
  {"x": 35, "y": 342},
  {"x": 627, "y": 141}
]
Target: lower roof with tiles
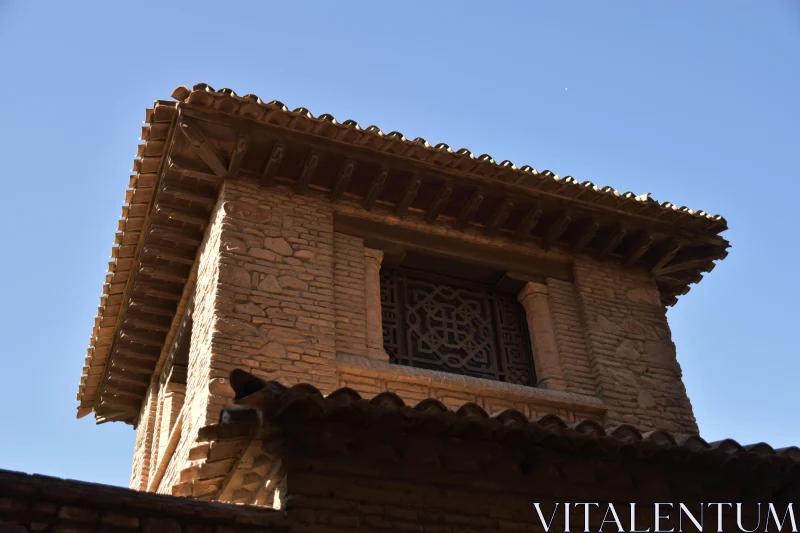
[{"x": 431, "y": 437}]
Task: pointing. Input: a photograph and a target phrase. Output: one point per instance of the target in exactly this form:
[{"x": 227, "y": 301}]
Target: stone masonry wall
[
  {"x": 280, "y": 293},
  {"x": 275, "y": 299},
  {"x": 631, "y": 350}
]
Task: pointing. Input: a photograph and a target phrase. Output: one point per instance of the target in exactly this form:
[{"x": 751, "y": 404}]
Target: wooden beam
[
  {"x": 274, "y": 161},
  {"x": 151, "y": 309},
  {"x": 665, "y": 255},
  {"x": 611, "y": 242},
  {"x": 469, "y": 210},
  {"x": 703, "y": 262},
  {"x": 204, "y": 149},
  {"x": 189, "y": 196},
  {"x": 439, "y": 203},
  {"x": 343, "y": 180},
  {"x": 393, "y": 237},
  {"x": 150, "y": 290},
  {"x": 410, "y": 192},
  {"x": 528, "y": 223},
  {"x": 375, "y": 188},
  {"x": 143, "y": 323},
  {"x": 184, "y": 168},
  {"x": 122, "y": 363},
  {"x": 585, "y": 235},
  {"x": 307, "y": 174},
  {"x": 118, "y": 409},
  {"x": 174, "y": 235},
  {"x": 239, "y": 150},
  {"x": 681, "y": 277},
  {"x": 167, "y": 254},
  {"x": 499, "y": 217},
  {"x": 138, "y": 355},
  {"x": 638, "y": 249},
  {"x": 138, "y": 338},
  {"x": 123, "y": 390},
  {"x": 135, "y": 379},
  {"x": 556, "y": 230},
  {"x": 164, "y": 274},
  {"x": 181, "y": 216}
]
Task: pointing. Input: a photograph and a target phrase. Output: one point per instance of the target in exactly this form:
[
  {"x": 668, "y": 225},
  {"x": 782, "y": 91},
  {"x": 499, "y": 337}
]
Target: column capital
[
  {"x": 372, "y": 254},
  {"x": 530, "y": 289}
]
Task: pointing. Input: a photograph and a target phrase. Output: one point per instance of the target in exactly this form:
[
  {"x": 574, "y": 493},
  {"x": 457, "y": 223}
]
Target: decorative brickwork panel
[{"x": 444, "y": 324}]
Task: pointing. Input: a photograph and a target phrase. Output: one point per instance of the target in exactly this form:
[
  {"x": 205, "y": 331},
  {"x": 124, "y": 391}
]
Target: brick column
[
  {"x": 533, "y": 298},
  {"x": 372, "y": 293}
]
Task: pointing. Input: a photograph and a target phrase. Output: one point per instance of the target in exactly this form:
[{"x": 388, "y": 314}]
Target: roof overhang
[{"x": 191, "y": 146}]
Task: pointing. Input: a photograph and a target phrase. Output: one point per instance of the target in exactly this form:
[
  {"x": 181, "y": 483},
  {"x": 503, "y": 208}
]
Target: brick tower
[{"x": 308, "y": 250}]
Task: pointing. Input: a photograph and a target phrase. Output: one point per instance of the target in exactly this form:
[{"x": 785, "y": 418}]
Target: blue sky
[{"x": 695, "y": 102}]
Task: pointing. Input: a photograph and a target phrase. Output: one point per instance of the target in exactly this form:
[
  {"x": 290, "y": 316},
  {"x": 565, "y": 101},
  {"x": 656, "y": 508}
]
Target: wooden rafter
[
  {"x": 439, "y": 202},
  {"x": 375, "y": 188},
  {"x": 343, "y": 180},
  {"x": 185, "y": 168},
  {"x": 701, "y": 263},
  {"x": 307, "y": 174},
  {"x": 188, "y": 195},
  {"x": 528, "y": 223},
  {"x": 204, "y": 149},
  {"x": 665, "y": 254},
  {"x": 410, "y": 192},
  {"x": 274, "y": 161},
  {"x": 586, "y": 233},
  {"x": 639, "y": 247},
  {"x": 470, "y": 208},
  {"x": 239, "y": 150},
  {"x": 499, "y": 217},
  {"x": 168, "y": 254},
  {"x": 556, "y": 230},
  {"x": 181, "y": 216},
  {"x": 611, "y": 241}
]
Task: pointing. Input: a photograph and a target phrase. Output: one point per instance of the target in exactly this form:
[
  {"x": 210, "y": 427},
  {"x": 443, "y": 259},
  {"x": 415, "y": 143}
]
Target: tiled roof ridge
[
  {"x": 278, "y": 402},
  {"x": 253, "y": 107}
]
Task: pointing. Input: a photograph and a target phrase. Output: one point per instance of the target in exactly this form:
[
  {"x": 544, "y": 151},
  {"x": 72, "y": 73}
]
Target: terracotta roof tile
[
  {"x": 301, "y": 119},
  {"x": 304, "y": 403}
]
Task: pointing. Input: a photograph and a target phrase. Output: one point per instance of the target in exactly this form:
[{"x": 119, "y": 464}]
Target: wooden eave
[{"x": 191, "y": 146}]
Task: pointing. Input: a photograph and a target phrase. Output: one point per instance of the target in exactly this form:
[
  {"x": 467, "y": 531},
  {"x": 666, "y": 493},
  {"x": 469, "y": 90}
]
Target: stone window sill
[{"x": 543, "y": 398}]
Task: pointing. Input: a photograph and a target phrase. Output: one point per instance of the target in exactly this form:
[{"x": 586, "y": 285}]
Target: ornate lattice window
[{"x": 446, "y": 324}]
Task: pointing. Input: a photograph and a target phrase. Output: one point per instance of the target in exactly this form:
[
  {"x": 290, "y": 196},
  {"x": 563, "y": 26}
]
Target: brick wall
[
  {"x": 144, "y": 440},
  {"x": 570, "y": 337},
  {"x": 351, "y": 320},
  {"x": 630, "y": 348},
  {"x": 280, "y": 293},
  {"x": 275, "y": 297}
]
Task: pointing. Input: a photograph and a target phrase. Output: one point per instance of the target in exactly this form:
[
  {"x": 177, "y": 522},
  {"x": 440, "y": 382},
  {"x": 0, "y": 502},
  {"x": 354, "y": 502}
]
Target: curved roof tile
[
  {"x": 228, "y": 101},
  {"x": 435, "y": 417}
]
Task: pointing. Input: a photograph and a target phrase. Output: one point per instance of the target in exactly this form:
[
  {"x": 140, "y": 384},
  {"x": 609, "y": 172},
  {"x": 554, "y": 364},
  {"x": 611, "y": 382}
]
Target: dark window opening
[{"x": 455, "y": 325}]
